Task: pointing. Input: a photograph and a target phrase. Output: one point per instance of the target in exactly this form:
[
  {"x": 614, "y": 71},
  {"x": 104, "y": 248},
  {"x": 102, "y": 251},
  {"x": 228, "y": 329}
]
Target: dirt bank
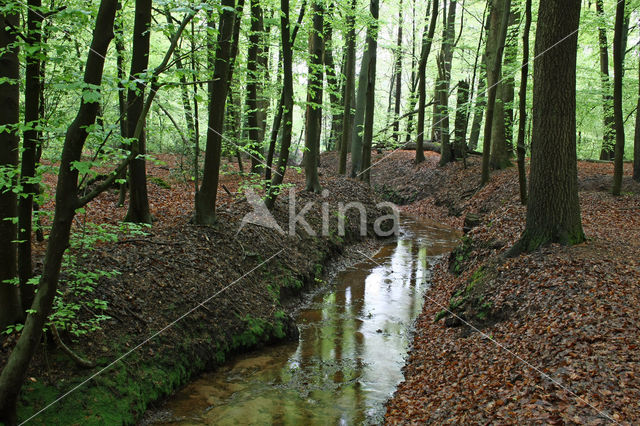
[
  {"x": 547, "y": 337},
  {"x": 184, "y": 297}
]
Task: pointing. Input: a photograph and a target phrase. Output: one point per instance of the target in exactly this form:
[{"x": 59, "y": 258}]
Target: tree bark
[
  {"x": 524, "y": 76},
  {"x": 444, "y": 84},
  {"x": 287, "y": 103},
  {"x": 15, "y": 369},
  {"x": 498, "y": 20},
  {"x": 277, "y": 118},
  {"x": 205, "y": 203},
  {"x": 553, "y": 211},
  {"x": 608, "y": 121},
  {"x": 398, "y": 75},
  {"x": 367, "y": 139},
  {"x": 333, "y": 83},
  {"x": 255, "y": 114},
  {"x": 10, "y": 307},
  {"x": 460, "y": 126},
  {"x": 636, "y": 141},
  {"x": 32, "y": 97},
  {"x": 422, "y": 83},
  {"x": 619, "y": 48},
  {"x": 138, "y": 211},
  {"x": 361, "y": 102},
  {"x": 479, "y": 107},
  {"x": 314, "y": 100},
  {"x": 350, "y": 72}
]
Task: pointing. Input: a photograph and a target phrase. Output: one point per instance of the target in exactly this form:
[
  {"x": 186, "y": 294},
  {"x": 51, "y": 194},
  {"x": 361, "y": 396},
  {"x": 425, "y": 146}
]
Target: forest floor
[
  {"x": 185, "y": 297},
  {"x": 547, "y": 337},
  {"x": 550, "y": 336}
]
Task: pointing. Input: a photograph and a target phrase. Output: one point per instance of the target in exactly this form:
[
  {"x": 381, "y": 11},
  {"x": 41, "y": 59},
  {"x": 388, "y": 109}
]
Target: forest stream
[{"x": 353, "y": 341}]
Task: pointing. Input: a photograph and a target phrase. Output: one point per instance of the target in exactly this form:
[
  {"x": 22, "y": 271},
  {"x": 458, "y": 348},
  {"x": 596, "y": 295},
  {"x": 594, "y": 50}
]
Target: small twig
[{"x": 142, "y": 240}]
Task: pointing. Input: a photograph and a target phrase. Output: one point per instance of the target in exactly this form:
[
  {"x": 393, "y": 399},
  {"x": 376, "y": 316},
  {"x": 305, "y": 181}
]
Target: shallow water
[{"x": 348, "y": 361}]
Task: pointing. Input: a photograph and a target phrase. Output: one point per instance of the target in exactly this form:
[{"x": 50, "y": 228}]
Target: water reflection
[{"x": 348, "y": 361}]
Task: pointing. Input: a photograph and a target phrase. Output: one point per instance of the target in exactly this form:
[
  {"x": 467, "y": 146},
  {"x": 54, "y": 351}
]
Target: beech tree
[
  {"x": 427, "y": 40},
  {"x": 350, "y": 71},
  {"x": 10, "y": 307},
  {"x": 205, "y": 202},
  {"x": 553, "y": 210},
  {"x": 138, "y": 210},
  {"x": 619, "y": 47},
  {"x": 67, "y": 202},
  {"x": 608, "y": 134},
  {"x": 522, "y": 108},
  {"x": 314, "y": 100}
]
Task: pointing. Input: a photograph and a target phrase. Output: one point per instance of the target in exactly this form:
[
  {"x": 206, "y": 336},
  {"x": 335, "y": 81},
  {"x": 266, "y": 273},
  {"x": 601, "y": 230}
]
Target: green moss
[{"x": 160, "y": 182}]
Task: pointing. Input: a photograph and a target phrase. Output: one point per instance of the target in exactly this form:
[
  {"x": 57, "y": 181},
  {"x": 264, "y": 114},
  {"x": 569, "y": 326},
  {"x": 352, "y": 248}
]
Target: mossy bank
[{"x": 185, "y": 298}]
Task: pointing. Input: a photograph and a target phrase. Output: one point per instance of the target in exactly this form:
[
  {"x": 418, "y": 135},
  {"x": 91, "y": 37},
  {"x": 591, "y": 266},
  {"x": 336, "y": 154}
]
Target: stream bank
[{"x": 158, "y": 321}]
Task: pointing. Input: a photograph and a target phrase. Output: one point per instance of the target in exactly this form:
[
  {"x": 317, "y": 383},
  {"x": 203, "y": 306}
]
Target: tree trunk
[
  {"x": 287, "y": 103},
  {"x": 15, "y": 369},
  {"x": 122, "y": 97},
  {"x": 524, "y": 76},
  {"x": 367, "y": 139},
  {"x": 32, "y": 97},
  {"x": 498, "y": 20},
  {"x": 350, "y": 72},
  {"x": 608, "y": 121},
  {"x": 636, "y": 141},
  {"x": 398, "y": 75},
  {"x": 205, "y": 203},
  {"x": 444, "y": 84},
  {"x": 277, "y": 118},
  {"x": 333, "y": 83},
  {"x": 460, "y": 132},
  {"x": 480, "y": 104},
  {"x": 314, "y": 100},
  {"x": 138, "y": 211},
  {"x": 255, "y": 115},
  {"x": 361, "y": 102},
  {"x": 10, "y": 307},
  {"x": 619, "y": 48},
  {"x": 553, "y": 211},
  {"x": 427, "y": 40}
]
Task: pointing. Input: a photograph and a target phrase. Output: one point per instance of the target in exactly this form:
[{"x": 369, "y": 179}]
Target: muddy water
[{"x": 353, "y": 340}]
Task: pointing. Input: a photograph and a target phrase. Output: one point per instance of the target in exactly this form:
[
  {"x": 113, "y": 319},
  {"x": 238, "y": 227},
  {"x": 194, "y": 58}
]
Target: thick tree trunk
[
  {"x": 122, "y": 97},
  {"x": 350, "y": 72},
  {"x": 66, "y": 203},
  {"x": 524, "y": 76},
  {"x": 138, "y": 211},
  {"x": 498, "y": 20},
  {"x": 608, "y": 121},
  {"x": 10, "y": 307},
  {"x": 205, "y": 203},
  {"x": 287, "y": 103},
  {"x": 553, "y": 211},
  {"x": 619, "y": 47},
  {"x": 367, "y": 139},
  {"x": 427, "y": 40},
  {"x": 314, "y": 100},
  {"x": 361, "y": 102}
]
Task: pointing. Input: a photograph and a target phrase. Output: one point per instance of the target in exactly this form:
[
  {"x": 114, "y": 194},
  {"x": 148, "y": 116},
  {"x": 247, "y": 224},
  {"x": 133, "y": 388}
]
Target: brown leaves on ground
[{"x": 567, "y": 351}]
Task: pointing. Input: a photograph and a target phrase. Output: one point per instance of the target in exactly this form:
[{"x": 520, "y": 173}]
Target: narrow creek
[{"x": 353, "y": 341}]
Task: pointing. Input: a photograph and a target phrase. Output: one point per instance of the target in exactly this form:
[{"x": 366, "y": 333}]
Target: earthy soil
[
  {"x": 185, "y": 296},
  {"x": 546, "y": 337}
]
